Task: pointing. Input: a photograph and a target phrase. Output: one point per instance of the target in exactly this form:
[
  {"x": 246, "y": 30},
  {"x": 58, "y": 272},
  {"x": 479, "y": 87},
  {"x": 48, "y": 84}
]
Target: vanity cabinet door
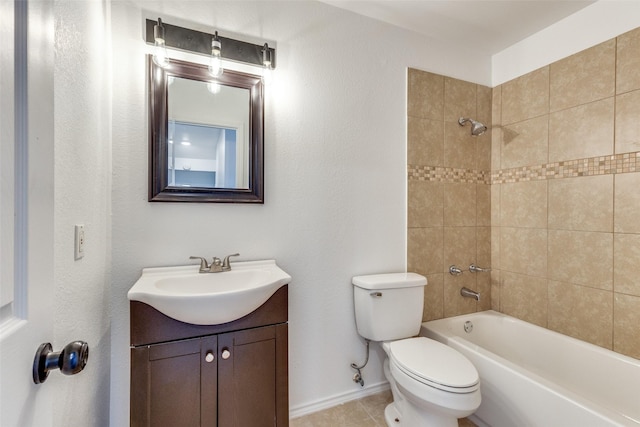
[
  {"x": 248, "y": 378},
  {"x": 174, "y": 384}
]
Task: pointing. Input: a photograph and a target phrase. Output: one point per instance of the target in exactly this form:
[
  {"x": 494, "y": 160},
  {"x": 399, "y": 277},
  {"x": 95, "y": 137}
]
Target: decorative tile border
[
  {"x": 602, "y": 165},
  {"x": 442, "y": 174}
]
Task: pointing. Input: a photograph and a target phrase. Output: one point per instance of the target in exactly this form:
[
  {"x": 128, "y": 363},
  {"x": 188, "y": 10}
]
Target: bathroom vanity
[{"x": 233, "y": 374}]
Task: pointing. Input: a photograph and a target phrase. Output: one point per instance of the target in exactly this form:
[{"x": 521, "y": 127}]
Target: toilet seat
[{"x": 434, "y": 364}]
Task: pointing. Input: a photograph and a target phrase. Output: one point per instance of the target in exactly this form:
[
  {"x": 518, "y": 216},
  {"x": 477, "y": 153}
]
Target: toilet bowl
[
  {"x": 432, "y": 384},
  {"x": 438, "y": 383}
]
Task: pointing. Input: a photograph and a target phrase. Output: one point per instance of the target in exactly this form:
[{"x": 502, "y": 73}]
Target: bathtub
[{"x": 531, "y": 376}]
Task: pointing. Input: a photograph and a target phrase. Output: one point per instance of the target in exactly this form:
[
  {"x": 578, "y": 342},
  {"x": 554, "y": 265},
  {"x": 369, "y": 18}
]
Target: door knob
[
  {"x": 209, "y": 357},
  {"x": 226, "y": 354},
  {"x": 71, "y": 360}
]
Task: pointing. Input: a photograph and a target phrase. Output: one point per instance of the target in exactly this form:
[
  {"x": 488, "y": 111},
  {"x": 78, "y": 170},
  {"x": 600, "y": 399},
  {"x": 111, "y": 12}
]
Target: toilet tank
[{"x": 388, "y": 306}]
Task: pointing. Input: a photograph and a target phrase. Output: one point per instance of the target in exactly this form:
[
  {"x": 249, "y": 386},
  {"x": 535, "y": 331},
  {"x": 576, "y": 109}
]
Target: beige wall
[
  {"x": 562, "y": 214},
  {"x": 566, "y": 195},
  {"x": 449, "y": 194}
]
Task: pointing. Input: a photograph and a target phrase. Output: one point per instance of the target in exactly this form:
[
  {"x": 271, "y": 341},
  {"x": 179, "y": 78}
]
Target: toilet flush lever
[{"x": 376, "y": 294}]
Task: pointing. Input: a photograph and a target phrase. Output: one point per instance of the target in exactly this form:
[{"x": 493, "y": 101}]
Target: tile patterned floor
[{"x": 365, "y": 412}]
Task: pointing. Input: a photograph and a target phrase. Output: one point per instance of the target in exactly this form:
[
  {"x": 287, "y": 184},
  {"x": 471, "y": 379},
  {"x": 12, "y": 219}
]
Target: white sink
[{"x": 184, "y": 294}]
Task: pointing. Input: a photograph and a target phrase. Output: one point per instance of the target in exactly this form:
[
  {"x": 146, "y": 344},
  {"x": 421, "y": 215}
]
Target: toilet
[{"x": 432, "y": 384}]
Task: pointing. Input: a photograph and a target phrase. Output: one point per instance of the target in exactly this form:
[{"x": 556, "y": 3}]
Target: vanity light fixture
[
  {"x": 160, "y": 56},
  {"x": 215, "y": 63},
  {"x": 266, "y": 63},
  {"x": 173, "y": 37}
]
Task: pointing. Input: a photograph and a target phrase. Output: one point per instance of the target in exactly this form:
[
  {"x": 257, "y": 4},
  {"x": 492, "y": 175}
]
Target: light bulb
[
  {"x": 266, "y": 62},
  {"x": 160, "y": 56},
  {"x": 215, "y": 62},
  {"x": 213, "y": 87}
]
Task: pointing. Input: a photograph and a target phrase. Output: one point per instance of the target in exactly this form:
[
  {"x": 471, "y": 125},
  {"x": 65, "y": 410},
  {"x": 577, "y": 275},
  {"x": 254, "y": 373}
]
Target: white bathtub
[{"x": 531, "y": 376}]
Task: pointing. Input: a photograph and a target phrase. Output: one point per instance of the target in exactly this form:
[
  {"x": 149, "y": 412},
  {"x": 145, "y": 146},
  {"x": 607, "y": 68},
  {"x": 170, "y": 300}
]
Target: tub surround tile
[
  {"x": 584, "y": 77},
  {"x": 524, "y": 297},
  {"x": 425, "y": 204},
  {"x": 626, "y": 339},
  {"x": 425, "y": 250},
  {"x": 495, "y": 247},
  {"x": 628, "y": 61},
  {"x": 496, "y": 106},
  {"x": 459, "y": 146},
  {"x": 525, "y": 97},
  {"x": 460, "y": 99},
  {"x": 581, "y": 312},
  {"x": 496, "y": 206},
  {"x": 626, "y": 272},
  {"x": 627, "y": 130},
  {"x": 483, "y": 205},
  {"x": 425, "y": 141},
  {"x": 483, "y": 151},
  {"x": 570, "y": 136},
  {"x": 496, "y": 150},
  {"x": 483, "y": 286},
  {"x": 483, "y": 247},
  {"x": 426, "y": 95},
  {"x": 584, "y": 204},
  {"x": 525, "y": 143},
  {"x": 627, "y": 203},
  {"x": 433, "y": 298},
  {"x": 459, "y": 247},
  {"x": 582, "y": 258},
  {"x": 591, "y": 166},
  {"x": 524, "y": 204},
  {"x": 459, "y": 204},
  {"x": 484, "y": 105},
  {"x": 524, "y": 251},
  {"x": 495, "y": 290},
  {"x": 454, "y": 303}
]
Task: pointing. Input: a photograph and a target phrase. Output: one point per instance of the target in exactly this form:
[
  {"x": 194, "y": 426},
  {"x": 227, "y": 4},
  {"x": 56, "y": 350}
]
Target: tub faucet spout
[{"x": 468, "y": 293}]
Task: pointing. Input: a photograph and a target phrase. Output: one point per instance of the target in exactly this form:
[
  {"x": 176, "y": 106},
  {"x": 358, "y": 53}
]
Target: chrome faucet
[
  {"x": 217, "y": 265},
  {"x": 469, "y": 293},
  {"x": 475, "y": 269},
  {"x": 454, "y": 271}
]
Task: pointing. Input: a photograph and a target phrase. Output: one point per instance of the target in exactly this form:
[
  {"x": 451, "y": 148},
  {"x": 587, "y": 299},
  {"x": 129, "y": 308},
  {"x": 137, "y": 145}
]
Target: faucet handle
[
  {"x": 203, "y": 263},
  {"x": 475, "y": 269},
  {"x": 225, "y": 263}
]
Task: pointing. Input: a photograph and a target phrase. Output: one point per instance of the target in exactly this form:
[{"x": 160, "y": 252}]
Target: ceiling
[{"x": 488, "y": 25}]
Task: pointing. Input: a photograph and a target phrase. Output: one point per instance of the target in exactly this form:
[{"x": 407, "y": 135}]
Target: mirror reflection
[{"x": 208, "y": 134}]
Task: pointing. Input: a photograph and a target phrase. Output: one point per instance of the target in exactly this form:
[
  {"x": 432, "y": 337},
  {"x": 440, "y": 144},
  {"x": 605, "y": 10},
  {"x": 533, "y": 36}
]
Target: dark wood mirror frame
[{"x": 159, "y": 191}]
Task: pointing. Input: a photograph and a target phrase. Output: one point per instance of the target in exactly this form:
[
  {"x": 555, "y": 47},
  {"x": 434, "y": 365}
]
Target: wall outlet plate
[{"x": 79, "y": 241}]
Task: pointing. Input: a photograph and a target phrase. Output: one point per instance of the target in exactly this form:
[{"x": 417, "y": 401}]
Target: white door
[{"x": 26, "y": 207}]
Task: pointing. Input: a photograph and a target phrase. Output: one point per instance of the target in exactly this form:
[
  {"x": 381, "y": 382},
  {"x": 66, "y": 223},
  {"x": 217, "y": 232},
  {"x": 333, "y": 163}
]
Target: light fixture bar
[{"x": 199, "y": 42}]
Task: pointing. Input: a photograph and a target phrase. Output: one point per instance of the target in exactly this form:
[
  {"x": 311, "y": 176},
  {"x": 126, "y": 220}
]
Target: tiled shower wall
[
  {"x": 551, "y": 203},
  {"x": 449, "y": 212},
  {"x": 565, "y": 195}
]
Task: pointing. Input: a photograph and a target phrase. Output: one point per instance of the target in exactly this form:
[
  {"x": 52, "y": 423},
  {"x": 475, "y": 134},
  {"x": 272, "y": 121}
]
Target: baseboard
[{"x": 338, "y": 399}]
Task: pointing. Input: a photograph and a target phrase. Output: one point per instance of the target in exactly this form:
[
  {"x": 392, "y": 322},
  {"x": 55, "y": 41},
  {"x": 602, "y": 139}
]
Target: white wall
[
  {"x": 335, "y": 175},
  {"x": 82, "y": 196},
  {"x": 588, "y": 27}
]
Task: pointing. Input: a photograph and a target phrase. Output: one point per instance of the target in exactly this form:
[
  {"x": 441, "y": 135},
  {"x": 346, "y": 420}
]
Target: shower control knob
[
  {"x": 209, "y": 357},
  {"x": 226, "y": 354},
  {"x": 70, "y": 360}
]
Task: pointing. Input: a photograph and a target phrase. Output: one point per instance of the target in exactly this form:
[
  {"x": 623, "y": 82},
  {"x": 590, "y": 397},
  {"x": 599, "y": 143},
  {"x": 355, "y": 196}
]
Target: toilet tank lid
[{"x": 389, "y": 281}]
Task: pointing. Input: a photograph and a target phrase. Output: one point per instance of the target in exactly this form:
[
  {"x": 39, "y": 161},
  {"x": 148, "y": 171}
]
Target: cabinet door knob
[
  {"x": 209, "y": 357},
  {"x": 226, "y": 354}
]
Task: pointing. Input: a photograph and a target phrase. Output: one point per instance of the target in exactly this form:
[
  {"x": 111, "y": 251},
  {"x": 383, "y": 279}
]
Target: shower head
[{"x": 477, "y": 128}]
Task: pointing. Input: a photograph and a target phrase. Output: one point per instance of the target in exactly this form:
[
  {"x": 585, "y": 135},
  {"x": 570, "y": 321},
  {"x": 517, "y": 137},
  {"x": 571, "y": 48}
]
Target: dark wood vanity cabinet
[{"x": 230, "y": 375}]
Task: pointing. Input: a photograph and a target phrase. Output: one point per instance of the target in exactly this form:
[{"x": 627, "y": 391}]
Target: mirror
[{"x": 206, "y": 135}]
